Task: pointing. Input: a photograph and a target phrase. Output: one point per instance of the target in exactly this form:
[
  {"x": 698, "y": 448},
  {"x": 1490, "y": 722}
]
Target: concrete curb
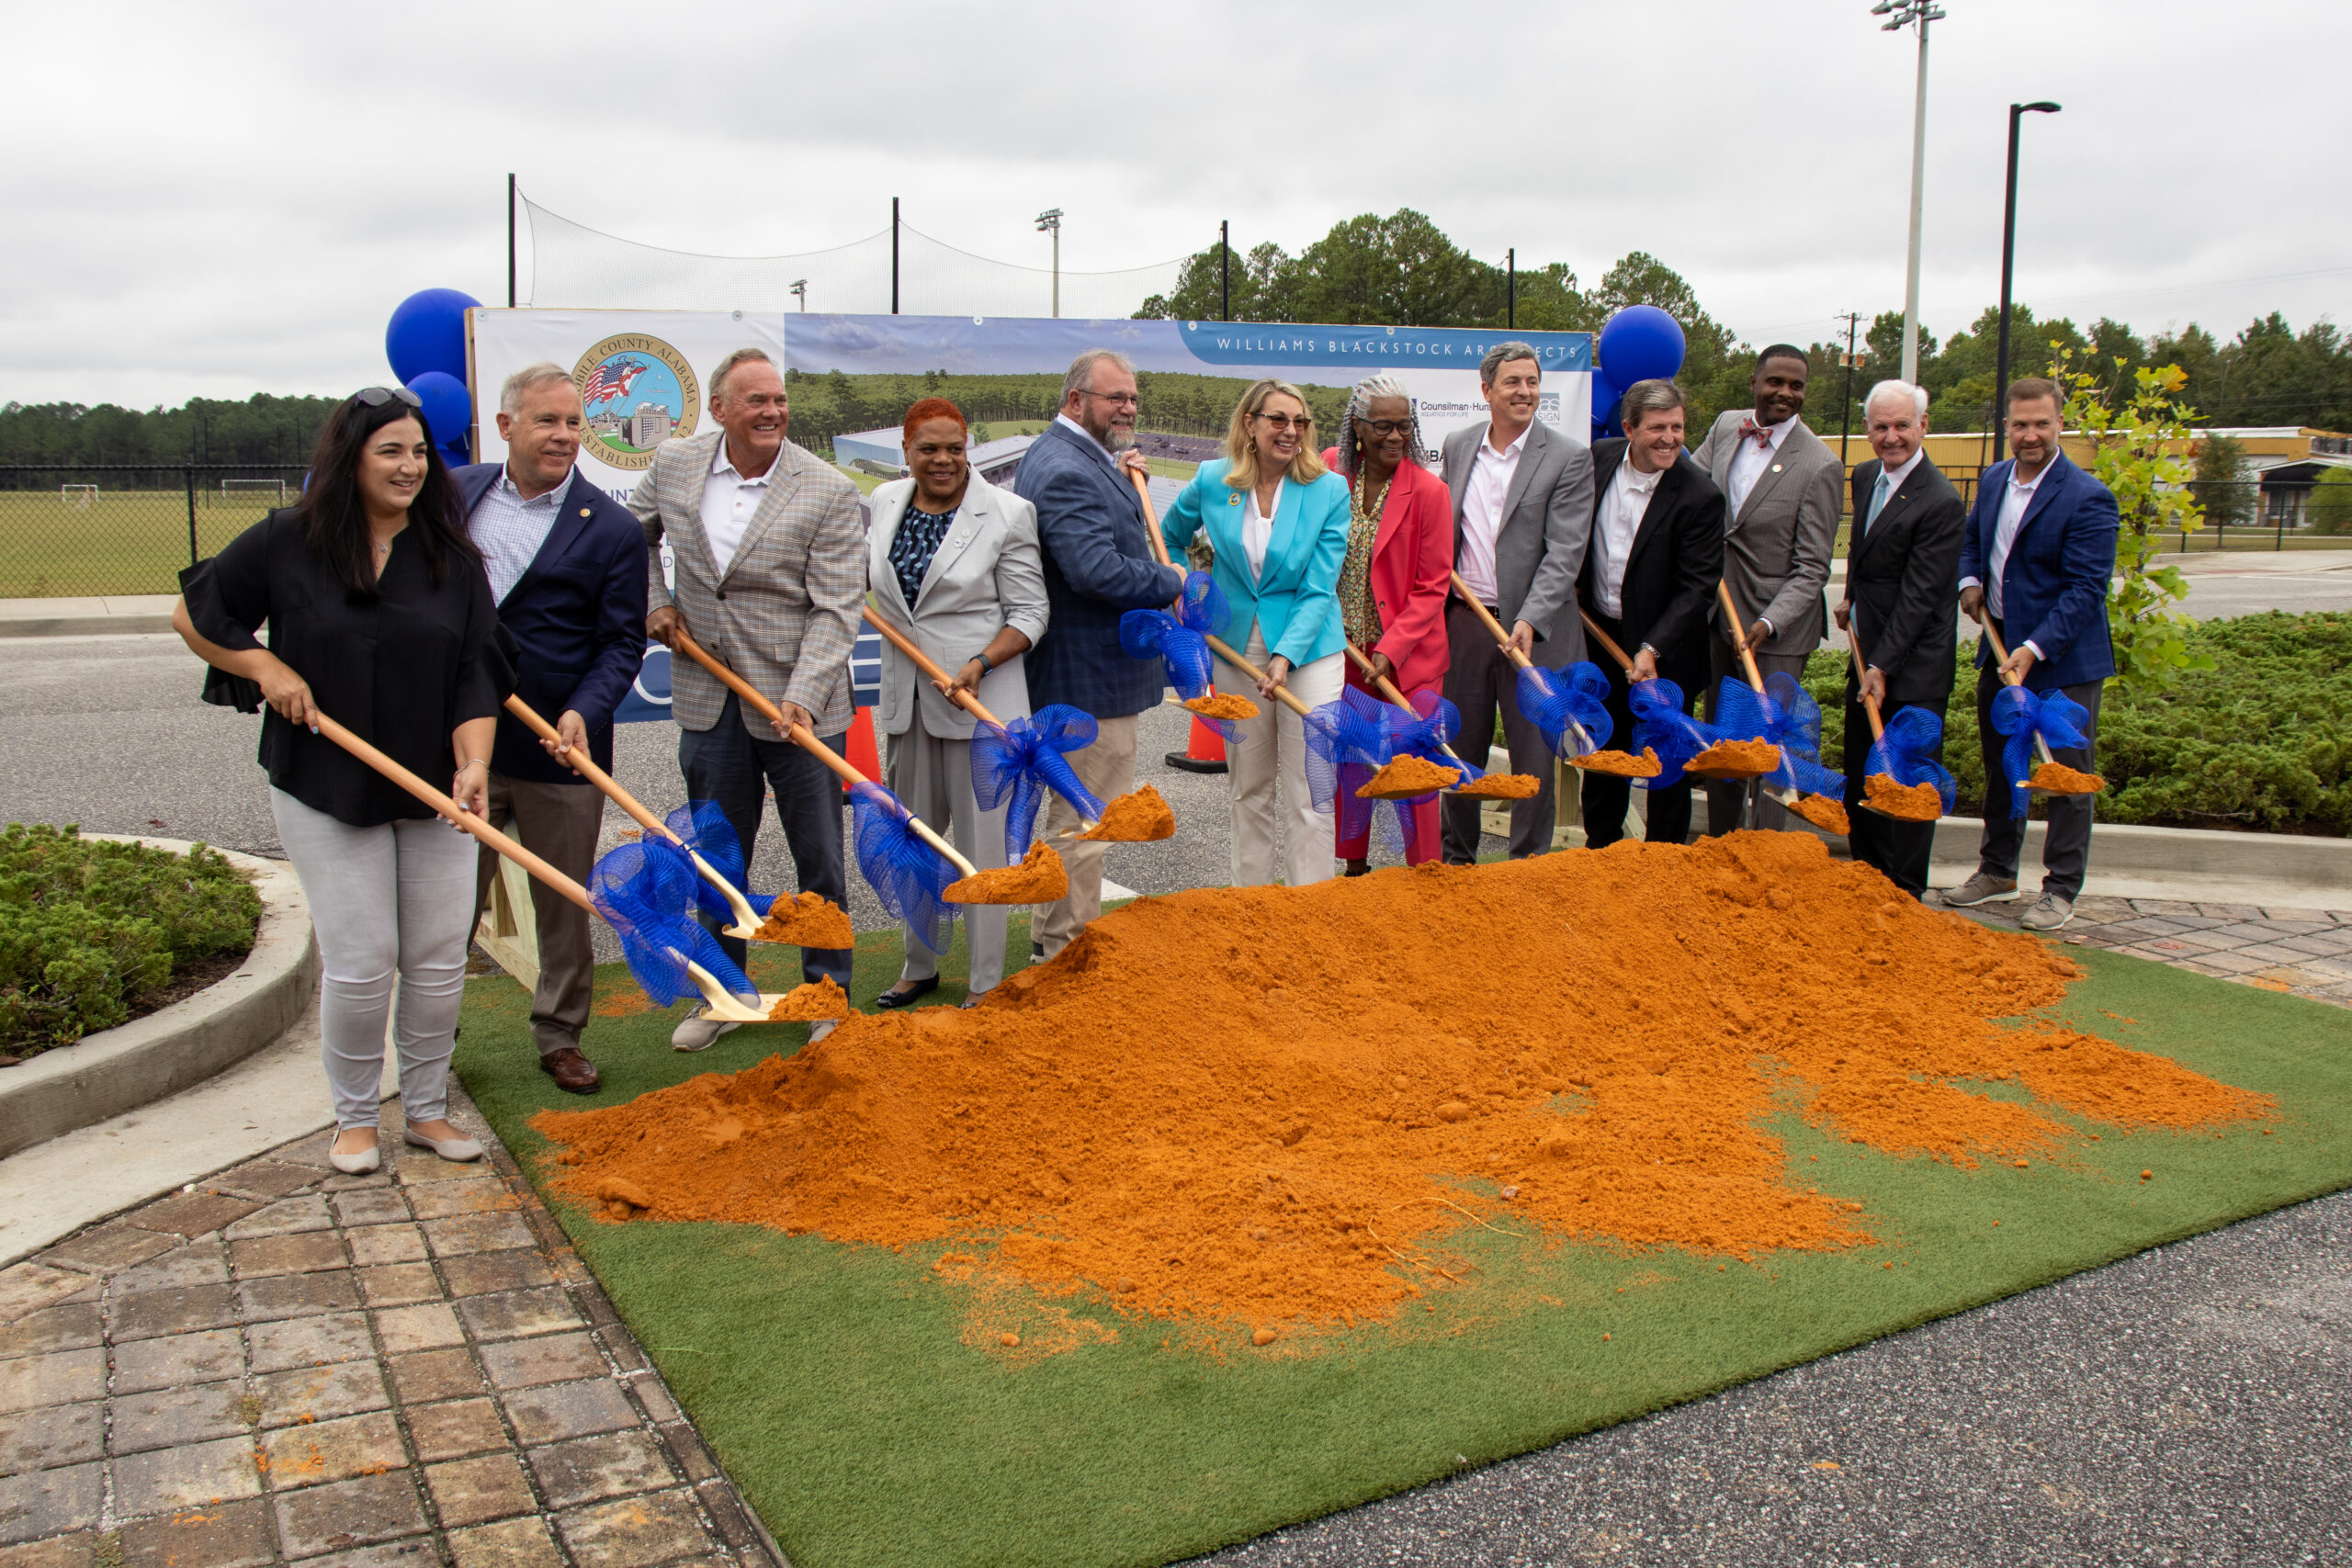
[
  {"x": 120, "y": 1069},
  {"x": 105, "y": 615}
]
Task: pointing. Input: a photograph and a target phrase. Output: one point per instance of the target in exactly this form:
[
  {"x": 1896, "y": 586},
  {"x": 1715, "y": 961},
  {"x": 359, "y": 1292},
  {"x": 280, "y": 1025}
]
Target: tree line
[{"x": 264, "y": 432}]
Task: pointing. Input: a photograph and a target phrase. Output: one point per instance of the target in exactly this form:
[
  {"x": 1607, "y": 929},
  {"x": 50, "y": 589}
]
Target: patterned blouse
[
  {"x": 918, "y": 540},
  {"x": 1357, "y": 610}
]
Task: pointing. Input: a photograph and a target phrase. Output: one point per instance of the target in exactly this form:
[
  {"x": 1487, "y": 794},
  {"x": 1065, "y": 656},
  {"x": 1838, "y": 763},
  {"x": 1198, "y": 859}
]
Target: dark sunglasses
[{"x": 376, "y": 396}]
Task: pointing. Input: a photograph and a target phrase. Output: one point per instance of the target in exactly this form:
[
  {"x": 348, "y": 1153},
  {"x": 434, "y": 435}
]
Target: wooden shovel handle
[
  {"x": 1387, "y": 689},
  {"x": 1494, "y": 627},
  {"x": 906, "y": 644},
  {"x": 1739, "y": 634},
  {"x": 1282, "y": 694},
  {"x": 578, "y": 761},
  {"x": 1606, "y": 642},
  {"x": 1150, "y": 517},
  {"x": 1854, "y": 649}
]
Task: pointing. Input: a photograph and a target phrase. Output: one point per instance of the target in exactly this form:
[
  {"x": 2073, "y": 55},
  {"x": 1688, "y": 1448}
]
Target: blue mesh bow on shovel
[
  {"x": 1902, "y": 753},
  {"x": 1783, "y": 716},
  {"x": 1425, "y": 726},
  {"x": 1663, "y": 730},
  {"x": 1184, "y": 637},
  {"x": 1348, "y": 741},
  {"x": 2035, "y": 722}
]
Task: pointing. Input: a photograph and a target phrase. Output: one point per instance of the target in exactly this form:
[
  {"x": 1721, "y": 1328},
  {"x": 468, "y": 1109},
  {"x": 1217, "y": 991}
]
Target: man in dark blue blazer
[
  {"x": 2034, "y": 565},
  {"x": 567, "y": 567},
  {"x": 1099, "y": 565}
]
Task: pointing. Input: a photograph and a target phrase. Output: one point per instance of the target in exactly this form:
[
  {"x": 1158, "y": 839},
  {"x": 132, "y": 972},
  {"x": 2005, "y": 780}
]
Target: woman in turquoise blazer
[{"x": 1278, "y": 523}]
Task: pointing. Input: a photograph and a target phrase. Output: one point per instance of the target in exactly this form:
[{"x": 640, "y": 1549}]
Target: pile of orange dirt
[
  {"x": 1223, "y": 705},
  {"x": 805, "y": 920},
  {"x": 1139, "y": 817},
  {"x": 2057, "y": 778},
  {"x": 1040, "y": 878},
  {"x": 1502, "y": 786},
  {"x": 1907, "y": 803},
  {"x": 1823, "y": 813},
  {"x": 1405, "y": 777},
  {"x": 1623, "y": 765},
  {"x": 1736, "y": 759},
  {"x": 1212, "y": 1107},
  {"x": 821, "y": 997}
]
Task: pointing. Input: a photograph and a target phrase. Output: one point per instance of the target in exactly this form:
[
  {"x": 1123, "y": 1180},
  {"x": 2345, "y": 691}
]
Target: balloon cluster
[
  {"x": 1641, "y": 343},
  {"x": 426, "y": 340}
]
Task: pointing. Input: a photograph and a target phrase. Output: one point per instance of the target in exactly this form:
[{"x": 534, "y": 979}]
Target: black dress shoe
[{"x": 896, "y": 999}]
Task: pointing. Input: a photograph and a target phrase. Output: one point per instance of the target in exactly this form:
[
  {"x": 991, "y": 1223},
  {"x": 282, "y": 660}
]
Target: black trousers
[
  {"x": 1606, "y": 796},
  {"x": 2066, "y": 841},
  {"x": 727, "y": 764},
  {"x": 1900, "y": 850},
  {"x": 1481, "y": 682}
]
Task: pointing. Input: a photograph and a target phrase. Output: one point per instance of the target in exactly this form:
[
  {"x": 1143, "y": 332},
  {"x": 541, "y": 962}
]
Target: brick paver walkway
[
  {"x": 285, "y": 1364},
  {"x": 2306, "y": 952}
]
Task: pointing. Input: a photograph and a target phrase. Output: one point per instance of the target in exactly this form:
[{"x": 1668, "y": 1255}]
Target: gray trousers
[
  {"x": 1480, "y": 682},
  {"x": 2066, "y": 838},
  {"x": 1107, "y": 768},
  {"x": 393, "y": 899},
  {"x": 1730, "y": 800},
  {"x": 558, "y": 822},
  {"x": 933, "y": 776}
]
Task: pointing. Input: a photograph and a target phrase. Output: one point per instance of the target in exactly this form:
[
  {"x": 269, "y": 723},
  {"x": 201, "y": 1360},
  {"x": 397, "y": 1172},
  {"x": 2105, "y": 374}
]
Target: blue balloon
[
  {"x": 1606, "y": 396},
  {"x": 1641, "y": 343},
  {"x": 448, "y": 408},
  {"x": 428, "y": 333},
  {"x": 456, "y": 455}
]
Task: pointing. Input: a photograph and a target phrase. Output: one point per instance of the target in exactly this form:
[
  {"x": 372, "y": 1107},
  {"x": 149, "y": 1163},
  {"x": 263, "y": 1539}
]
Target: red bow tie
[{"x": 1763, "y": 433}]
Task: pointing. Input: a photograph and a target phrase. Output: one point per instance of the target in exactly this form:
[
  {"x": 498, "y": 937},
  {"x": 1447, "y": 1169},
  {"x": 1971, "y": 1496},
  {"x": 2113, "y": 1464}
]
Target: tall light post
[
  {"x": 1901, "y": 14},
  {"x": 2008, "y": 258},
  {"x": 1050, "y": 222},
  {"x": 800, "y": 292}
]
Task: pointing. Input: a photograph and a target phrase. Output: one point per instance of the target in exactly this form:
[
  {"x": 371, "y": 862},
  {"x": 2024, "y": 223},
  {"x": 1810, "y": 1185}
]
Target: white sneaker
[
  {"x": 821, "y": 1028},
  {"x": 699, "y": 1031},
  {"x": 1979, "y": 889}
]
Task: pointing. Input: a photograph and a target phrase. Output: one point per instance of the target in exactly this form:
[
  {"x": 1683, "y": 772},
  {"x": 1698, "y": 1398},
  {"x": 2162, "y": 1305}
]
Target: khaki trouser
[
  {"x": 1107, "y": 769},
  {"x": 1267, "y": 756},
  {"x": 558, "y": 822},
  {"x": 933, "y": 776}
]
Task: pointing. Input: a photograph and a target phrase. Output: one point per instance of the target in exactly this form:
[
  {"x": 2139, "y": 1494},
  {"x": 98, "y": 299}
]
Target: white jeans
[
  {"x": 397, "y": 898},
  {"x": 1265, "y": 750}
]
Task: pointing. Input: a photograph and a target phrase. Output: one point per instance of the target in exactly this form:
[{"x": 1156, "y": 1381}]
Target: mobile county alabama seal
[{"x": 637, "y": 393}]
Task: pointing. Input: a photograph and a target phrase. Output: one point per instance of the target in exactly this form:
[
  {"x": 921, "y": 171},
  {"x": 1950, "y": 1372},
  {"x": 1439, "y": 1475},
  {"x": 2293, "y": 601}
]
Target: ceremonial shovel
[
  {"x": 2031, "y": 712},
  {"x": 1819, "y": 807}
]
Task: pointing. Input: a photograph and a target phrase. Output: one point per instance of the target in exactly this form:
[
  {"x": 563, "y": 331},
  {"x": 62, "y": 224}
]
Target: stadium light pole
[
  {"x": 1510, "y": 290},
  {"x": 894, "y": 256},
  {"x": 1225, "y": 269},
  {"x": 1901, "y": 14},
  {"x": 510, "y": 241},
  {"x": 1050, "y": 222},
  {"x": 2008, "y": 258},
  {"x": 800, "y": 292}
]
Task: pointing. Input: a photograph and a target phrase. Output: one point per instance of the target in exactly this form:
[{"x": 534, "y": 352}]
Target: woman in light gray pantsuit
[{"x": 953, "y": 561}]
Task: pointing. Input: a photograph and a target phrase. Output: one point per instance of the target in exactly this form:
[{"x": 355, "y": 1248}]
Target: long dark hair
[{"x": 335, "y": 521}]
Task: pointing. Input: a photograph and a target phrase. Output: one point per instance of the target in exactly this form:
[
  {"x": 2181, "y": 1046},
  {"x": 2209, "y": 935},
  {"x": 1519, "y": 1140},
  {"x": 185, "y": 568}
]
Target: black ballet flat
[{"x": 907, "y": 999}]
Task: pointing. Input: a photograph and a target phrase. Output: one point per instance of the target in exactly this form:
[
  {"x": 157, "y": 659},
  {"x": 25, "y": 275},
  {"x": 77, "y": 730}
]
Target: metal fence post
[{"x": 191, "y": 515}]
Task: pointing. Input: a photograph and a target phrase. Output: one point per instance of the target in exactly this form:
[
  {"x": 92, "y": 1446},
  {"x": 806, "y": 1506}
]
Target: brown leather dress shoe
[{"x": 572, "y": 1072}]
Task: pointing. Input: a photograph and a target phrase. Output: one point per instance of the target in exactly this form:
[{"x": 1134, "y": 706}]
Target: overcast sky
[{"x": 220, "y": 200}]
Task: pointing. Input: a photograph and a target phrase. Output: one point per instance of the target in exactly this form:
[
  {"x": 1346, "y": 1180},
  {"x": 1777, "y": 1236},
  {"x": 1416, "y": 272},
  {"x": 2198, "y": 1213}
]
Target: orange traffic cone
[{"x": 1203, "y": 753}]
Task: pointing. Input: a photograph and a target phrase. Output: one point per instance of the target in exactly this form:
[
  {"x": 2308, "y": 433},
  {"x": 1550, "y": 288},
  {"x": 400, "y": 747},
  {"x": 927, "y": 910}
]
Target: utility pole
[
  {"x": 1050, "y": 222},
  {"x": 1846, "y": 421},
  {"x": 894, "y": 256},
  {"x": 1224, "y": 270},
  {"x": 2008, "y": 256},
  {"x": 1901, "y": 14},
  {"x": 800, "y": 292},
  {"x": 510, "y": 241},
  {"x": 1511, "y": 288}
]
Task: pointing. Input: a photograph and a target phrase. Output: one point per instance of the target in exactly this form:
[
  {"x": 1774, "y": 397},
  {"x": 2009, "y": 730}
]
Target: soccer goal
[
  {"x": 270, "y": 490},
  {"x": 78, "y": 498}
]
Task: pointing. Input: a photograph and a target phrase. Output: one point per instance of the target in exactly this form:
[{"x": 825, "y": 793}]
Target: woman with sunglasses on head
[
  {"x": 1278, "y": 521},
  {"x": 380, "y": 617},
  {"x": 1393, "y": 581}
]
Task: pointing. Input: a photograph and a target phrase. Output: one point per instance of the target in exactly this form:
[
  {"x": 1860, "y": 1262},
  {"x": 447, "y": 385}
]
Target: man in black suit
[
  {"x": 1649, "y": 581},
  {"x": 1908, "y": 523}
]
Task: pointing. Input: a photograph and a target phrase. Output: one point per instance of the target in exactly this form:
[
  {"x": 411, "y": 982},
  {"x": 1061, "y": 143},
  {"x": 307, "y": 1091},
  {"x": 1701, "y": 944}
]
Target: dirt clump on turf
[
  {"x": 2057, "y": 778},
  {"x": 1405, "y": 777},
  {"x": 1139, "y": 817},
  {"x": 1250, "y": 1106},
  {"x": 1040, "y": 878},
  {"x": 807, "y": 919},
  {"x": 1223, "y": 705},
  {"x": 1907, "y": 803}
]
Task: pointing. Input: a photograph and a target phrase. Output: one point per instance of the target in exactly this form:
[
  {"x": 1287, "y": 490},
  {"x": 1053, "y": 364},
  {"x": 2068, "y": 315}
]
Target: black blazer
[
  {"x": 1678, "y": 558},
  {"x": 1902, "y": 583}
]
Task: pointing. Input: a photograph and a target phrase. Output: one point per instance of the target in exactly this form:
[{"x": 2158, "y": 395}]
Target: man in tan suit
[
  {"x": 770, "y": 557},
  {"x": 1783, "y": 490}
]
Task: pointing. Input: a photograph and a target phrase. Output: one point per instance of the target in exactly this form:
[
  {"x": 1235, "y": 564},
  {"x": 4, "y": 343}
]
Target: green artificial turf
[{"x": 834, "y": 1383}]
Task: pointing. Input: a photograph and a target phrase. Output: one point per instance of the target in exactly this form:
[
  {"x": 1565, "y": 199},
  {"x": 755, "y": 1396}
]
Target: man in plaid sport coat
[{"x": 770, "y": 555}]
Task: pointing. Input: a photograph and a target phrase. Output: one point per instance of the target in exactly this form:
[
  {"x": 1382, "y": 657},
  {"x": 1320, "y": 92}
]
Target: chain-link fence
[{"x": 119, "y": 529}]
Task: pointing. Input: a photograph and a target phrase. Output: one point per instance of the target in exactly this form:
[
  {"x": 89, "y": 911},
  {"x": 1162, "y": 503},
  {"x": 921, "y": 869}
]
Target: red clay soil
[
  {"x": 1264, "y": 1104},
  {"x": 1645, "y": 766},
  {"x": 1223, "y": 705},
  {"x": 1904, "y": 802},
  {"x": 820, "y": 998},
  {"x": 1736, "y": 759},
  {"x": 1502, "y": 786},
  {"x": 2057, "y": 778},
  {"x": 805, "y": 920},
  {"x": 1139, "y": 817},
  {"x": 1823, "y": 813},
  {"x": 1040, "y": 878},
  {"x": 1404, "y": 778}
]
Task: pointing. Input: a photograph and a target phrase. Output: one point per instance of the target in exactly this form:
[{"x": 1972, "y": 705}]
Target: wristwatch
[{"x": 987, "y": 664}]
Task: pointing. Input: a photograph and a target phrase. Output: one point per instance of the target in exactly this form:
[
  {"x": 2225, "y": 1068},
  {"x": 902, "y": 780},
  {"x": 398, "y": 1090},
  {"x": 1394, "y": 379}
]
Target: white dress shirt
[
  {"x": 729, "y": 499},
  {"x": 509, "y": 530},
  {"x": 1258, "y": 532},
  {"x": 1482, "y": 511},
  {"x": 1621, "y": 512},
  {"x": 2016, "y": 497},
  {"x": 1747, "y": 462},
  {"x": 1066, "y": 419}
]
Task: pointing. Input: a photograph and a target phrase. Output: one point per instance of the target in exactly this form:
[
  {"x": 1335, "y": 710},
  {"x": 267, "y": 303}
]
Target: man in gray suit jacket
[
  {"x": 1522, "y": 513},
  {"x": 1784, "y": 490},
  {"x": 770, "y": 554}
]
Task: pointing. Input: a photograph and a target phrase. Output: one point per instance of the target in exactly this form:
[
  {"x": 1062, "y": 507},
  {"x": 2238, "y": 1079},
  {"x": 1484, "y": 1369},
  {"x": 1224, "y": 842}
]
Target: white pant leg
[
  {"x": 1306, "y": 832},
  {"x": 1107, "y": 769},
  {"x": 436, "y": 868},
  {"x": 1251, "y": 764},
  {"x": 914, "y": 774},
  {"x": 350, "y": 878}
]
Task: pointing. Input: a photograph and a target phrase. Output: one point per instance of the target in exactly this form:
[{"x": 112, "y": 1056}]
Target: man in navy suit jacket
[
  {"x": 1099, "y": 565},
  {"x": 2034, "y": 565},
  {"x": 567, "y": 567}
]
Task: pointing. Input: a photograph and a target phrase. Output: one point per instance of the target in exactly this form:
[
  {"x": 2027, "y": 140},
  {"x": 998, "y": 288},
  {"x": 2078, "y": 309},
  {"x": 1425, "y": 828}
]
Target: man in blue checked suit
[
  {"x": 2034, "y": 565},
  {"x": 567, "y": 567},
  {"x": 1099, "y": 565}
]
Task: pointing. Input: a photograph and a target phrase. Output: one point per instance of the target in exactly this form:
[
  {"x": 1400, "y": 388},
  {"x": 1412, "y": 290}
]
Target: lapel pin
[
  {"x": 584, "y": 511},
  {"x": 1776, "y": 467}
]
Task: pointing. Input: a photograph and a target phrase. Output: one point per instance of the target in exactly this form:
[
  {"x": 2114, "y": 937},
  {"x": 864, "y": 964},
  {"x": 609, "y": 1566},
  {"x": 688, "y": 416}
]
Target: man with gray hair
[
  {"x": 1900, "y": 608},
  {"x": 1522, "y": 513},
  {"x": 566, "y": 569}
]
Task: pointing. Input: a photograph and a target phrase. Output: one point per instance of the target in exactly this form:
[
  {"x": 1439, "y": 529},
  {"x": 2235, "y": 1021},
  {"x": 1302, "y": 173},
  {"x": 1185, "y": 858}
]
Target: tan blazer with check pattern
[{"x": 785, "y": 613}]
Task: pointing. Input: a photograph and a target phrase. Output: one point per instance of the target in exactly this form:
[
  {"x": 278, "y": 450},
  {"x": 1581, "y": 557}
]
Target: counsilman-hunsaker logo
[{"x": 637, "y": 393}]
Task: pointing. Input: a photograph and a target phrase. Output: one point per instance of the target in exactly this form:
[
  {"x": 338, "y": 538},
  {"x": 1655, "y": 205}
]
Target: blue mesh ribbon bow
[
  {"x": 2020, "y": 713},
  {"x": 1904, "y": 751},
  {"x": 907, "y": 874},
  {"x": 1180, "y": 639},
  {"x": 1016, "y": 762},
  {"x": 1555, "y": 700}
]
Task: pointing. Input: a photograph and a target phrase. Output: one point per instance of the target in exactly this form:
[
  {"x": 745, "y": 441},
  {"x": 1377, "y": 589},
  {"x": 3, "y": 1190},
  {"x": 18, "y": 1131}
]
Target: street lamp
[
  {"x": 1050, "y": 222},
  {"x": 800, "y": 292},
  {"x": 1901, "y": 14},
  {"x": 2009, "y": 257}
]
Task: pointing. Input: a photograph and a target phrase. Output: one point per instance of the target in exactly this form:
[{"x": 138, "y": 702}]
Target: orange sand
[
  {"x": 1502, "y": 786},
  {"x": 2057, "y": 778},
  {"x": 805, "y": 920},
  {"x": 1139, "y": 817},
  {"x": 1907, "y": 803},
  {"x": 1211, "y": 1106},
  {"x": 1736, "y": 759},
  {"x": 1822, "y": 812},
  {"x": 1223, "y": 705},
  {"x": 822, "y": 998},
  {"x": 1645, "y": 766},
  {"x": 1038, "y": 879},
  {"x": 1403, "y": 778}
]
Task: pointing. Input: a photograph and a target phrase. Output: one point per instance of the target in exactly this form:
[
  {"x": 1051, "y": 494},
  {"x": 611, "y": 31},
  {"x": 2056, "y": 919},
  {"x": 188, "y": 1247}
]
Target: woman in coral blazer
[{"x": 1393, "y": 582}]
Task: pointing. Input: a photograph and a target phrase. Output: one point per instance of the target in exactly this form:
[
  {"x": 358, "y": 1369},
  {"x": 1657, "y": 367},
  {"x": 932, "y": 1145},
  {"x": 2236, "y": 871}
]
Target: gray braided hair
[{"x": 1380, "y": 384}]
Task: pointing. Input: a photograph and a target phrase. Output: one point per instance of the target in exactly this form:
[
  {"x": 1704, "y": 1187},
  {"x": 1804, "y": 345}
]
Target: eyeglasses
[
  {"x": 1383, "y": 428},
  {"x": 1283, "y": 420},
  {"x": 1125, "y": 400},
  {"x": 376, "y": 396}
]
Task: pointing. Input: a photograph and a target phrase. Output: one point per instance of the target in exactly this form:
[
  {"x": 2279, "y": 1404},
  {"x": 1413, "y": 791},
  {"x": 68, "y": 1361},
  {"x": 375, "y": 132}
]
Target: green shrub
[
  {"x": 2330, "y": 507},
  {"x": 89, "y": 929}
]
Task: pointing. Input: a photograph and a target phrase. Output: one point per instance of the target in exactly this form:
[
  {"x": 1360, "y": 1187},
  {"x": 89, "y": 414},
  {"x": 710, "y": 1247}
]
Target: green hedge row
[{"x": 91, "y": 930}]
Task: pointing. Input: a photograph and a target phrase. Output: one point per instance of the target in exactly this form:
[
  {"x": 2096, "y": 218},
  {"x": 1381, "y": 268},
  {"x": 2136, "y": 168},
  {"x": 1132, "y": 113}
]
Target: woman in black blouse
[{"x": 380, "y": 616}]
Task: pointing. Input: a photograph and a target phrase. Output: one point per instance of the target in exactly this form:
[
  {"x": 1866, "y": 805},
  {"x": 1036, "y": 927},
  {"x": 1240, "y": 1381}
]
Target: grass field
[{"x": 132, "y": 541}]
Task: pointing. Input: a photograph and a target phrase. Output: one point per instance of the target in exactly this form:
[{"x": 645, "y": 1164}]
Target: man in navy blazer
[
  {"x": 2034, "y": 565},
  {"x": 567, "y": 567},
  {"x": 1099, "y": 565}
]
